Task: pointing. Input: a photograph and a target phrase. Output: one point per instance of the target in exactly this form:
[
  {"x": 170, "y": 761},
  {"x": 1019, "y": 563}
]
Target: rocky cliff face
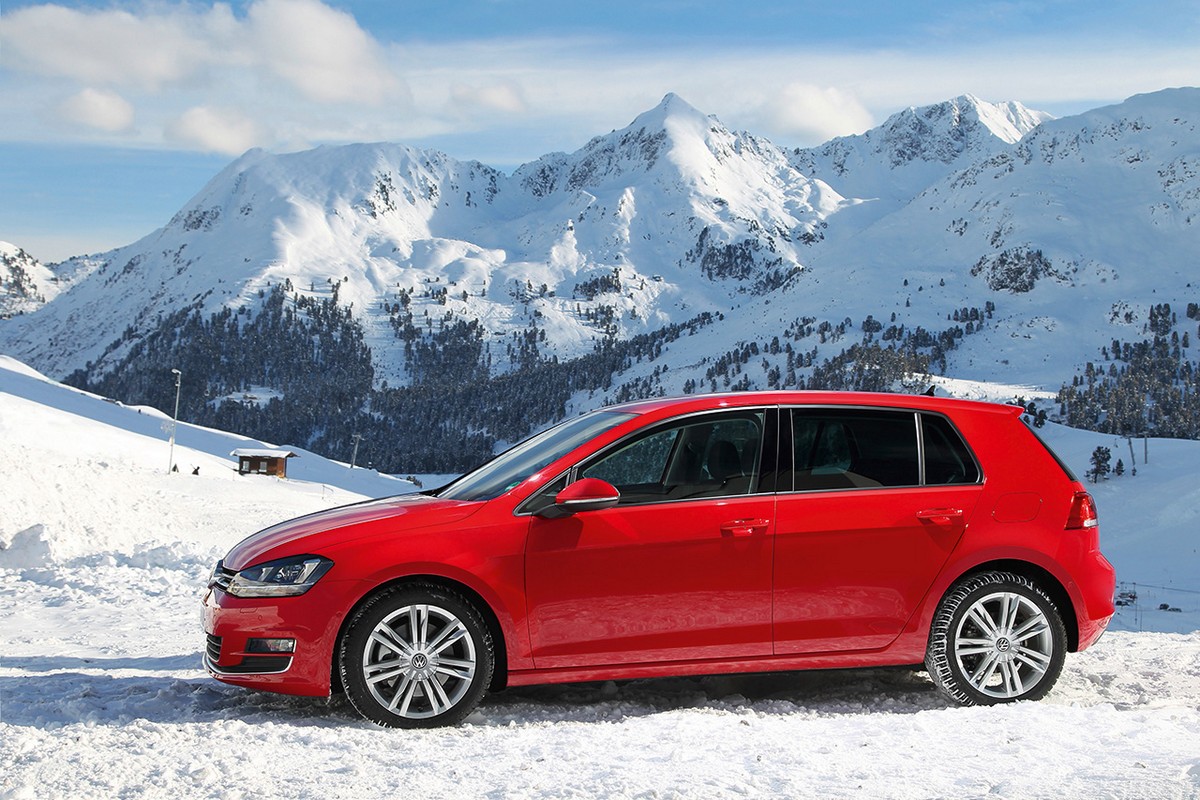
[{"x": 25, "y": 283}]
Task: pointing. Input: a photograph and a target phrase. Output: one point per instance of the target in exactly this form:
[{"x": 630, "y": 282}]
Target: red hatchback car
[{"x": 707, "y": 534}]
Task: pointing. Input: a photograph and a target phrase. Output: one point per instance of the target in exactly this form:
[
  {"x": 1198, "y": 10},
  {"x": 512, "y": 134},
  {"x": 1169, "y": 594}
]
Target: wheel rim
[
  {"x": 1003, "y": 645},
  {"x": 419, "y": 661}
]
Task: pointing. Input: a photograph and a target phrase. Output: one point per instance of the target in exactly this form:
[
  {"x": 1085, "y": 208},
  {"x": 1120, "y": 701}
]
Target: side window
[
  {"x": 640, "y": 463},
  {"x": 852, "y": 448},
  {"x": 947, "y": 459},
  {"x": 711, "y": 455}
]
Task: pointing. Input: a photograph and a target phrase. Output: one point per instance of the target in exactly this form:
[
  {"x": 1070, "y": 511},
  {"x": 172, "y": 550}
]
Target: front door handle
[
  {"x": 940, "y": 516},
  {"x": 744, "y": 527}
]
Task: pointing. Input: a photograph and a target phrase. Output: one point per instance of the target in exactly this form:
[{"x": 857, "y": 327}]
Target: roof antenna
[{"x": 929, "y": 392}]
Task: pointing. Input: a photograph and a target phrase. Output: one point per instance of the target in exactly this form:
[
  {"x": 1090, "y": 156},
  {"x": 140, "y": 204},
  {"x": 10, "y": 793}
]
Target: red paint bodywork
[{"x": 758, "y": 582}]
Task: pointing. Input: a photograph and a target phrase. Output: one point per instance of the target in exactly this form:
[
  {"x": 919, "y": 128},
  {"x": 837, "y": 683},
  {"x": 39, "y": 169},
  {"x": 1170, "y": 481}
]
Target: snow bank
[{"x": 28, "y": 548}]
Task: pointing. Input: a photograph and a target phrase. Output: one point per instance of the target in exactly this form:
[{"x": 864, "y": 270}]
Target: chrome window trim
[{"x": 920, "y": 448}]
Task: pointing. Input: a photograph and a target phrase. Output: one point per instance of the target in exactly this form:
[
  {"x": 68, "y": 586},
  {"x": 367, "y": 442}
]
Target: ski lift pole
[{"x": 174, "y": 421}]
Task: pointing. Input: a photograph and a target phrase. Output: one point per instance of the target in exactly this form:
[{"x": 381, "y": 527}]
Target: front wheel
[
  {"x": 996, "y": 638},
  {"x": 416, "y": 657}
]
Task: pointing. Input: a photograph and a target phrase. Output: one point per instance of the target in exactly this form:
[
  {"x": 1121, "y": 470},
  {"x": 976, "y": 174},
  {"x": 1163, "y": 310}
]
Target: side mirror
[{"x": 588, "y": 494}]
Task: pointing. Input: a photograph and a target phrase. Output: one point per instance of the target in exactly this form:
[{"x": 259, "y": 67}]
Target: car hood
[{"x": 342, "y": 524}]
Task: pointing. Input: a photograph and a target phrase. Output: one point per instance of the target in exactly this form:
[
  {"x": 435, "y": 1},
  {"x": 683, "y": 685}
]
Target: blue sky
[{"x": 118, "y": 112}]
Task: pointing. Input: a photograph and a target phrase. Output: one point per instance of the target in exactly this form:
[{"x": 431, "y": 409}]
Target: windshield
[{"x": 517, "y": 463}]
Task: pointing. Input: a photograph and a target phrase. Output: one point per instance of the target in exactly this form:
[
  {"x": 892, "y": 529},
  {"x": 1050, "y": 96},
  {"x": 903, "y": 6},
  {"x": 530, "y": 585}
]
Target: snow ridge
[{"x": 915, "y": 147}]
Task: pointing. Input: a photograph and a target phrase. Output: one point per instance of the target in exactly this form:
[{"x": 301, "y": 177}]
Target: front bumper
[{"x": 312, "y": 620}]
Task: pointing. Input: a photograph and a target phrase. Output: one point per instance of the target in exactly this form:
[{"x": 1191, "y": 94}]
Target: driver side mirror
[{"x": 586, "y": 494}]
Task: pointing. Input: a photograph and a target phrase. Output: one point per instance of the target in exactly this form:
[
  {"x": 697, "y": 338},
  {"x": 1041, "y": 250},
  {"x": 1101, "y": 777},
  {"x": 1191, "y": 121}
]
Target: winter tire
[
  {"x": 416, "y": 657},
  {"x": 996, "y": 638}
]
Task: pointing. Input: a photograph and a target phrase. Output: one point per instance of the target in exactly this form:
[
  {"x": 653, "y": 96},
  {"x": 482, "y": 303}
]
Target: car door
[
  {"x": 867, "y": 523},
  {"x": 679, "y": 569}
]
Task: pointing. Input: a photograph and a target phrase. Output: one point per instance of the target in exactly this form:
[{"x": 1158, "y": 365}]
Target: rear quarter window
[{"x": 948, "y": 460}]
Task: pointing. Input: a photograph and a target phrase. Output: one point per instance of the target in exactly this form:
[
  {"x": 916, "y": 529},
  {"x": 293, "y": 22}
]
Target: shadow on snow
[{"x": 58, "y": 691}]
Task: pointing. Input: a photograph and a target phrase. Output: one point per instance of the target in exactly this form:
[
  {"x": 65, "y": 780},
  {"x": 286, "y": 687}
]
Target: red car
[{"x": 707, "y": 534}]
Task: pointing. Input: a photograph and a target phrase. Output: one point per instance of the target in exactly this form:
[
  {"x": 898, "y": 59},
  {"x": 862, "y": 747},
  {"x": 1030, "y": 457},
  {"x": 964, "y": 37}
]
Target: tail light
[{"x": 1083, "y": 512}]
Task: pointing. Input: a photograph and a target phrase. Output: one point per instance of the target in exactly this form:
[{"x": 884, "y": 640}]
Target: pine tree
[{"x": 1101, "y": 459}]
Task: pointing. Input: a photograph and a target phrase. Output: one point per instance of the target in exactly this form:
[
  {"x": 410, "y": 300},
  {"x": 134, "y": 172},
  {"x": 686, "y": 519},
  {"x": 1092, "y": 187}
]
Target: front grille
[
  {"x": 259, "y": 665},
  {"x": 213, "y": 648}
]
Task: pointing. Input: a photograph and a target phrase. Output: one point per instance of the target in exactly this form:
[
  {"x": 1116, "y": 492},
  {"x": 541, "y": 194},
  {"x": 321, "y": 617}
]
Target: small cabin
[{"x": 262, "y": 461}]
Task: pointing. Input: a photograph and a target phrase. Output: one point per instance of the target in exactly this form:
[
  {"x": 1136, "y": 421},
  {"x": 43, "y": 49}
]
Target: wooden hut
[{"x": 262, "y": 461}]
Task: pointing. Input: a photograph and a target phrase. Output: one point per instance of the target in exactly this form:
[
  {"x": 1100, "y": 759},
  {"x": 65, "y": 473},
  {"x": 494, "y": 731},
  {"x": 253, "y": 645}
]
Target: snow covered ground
[{"x": 103, "y": 556}]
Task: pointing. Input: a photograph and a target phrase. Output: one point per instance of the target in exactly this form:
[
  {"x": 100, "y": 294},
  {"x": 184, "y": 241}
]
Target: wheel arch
[
  {"x": 499, "y": 643},
  {"x": 1044, "y": 579}
]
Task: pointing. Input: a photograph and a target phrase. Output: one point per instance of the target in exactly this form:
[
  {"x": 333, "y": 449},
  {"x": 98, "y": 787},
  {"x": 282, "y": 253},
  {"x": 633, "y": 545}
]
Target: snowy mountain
[
  {"x": 25, "y": 283},
  {"x": 442, "y": 306},
  {"x": 889, "y": 165},
  {"x": 1076, "y": 233},
  {"x": 638, "y": 229}
]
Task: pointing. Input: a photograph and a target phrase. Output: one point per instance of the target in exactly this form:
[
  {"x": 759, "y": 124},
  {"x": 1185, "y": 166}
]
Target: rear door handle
[
  {"x": 744, "y": 527},
  {"x": 940, "y": 516}
]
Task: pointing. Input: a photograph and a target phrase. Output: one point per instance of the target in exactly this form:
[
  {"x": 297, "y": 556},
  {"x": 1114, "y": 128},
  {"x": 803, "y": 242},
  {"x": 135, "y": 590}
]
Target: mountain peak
[
  {"x": 672, "y": 108},
  {"x": 674, "y": 104},
  {"x": 673, "y": 131},
  {"x": 965, "y": 120},
  {"x": 1009, "y": 121}
]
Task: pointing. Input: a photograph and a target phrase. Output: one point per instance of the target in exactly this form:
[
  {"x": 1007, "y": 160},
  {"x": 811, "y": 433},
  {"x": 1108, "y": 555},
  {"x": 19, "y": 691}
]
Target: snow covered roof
[{"x": 262, "y": 452}]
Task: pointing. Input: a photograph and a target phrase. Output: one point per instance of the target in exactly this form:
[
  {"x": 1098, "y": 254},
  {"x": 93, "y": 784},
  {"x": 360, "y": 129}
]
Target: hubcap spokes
[
  {"x": 1003, "y": 645},
  {"x": 419, "y": 661}
]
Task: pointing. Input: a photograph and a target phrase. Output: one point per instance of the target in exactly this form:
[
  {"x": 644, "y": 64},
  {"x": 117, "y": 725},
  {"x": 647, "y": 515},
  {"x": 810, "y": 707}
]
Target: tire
[
  {"x": 417, "y": 656},
  {"x": 996, "y": 638}
]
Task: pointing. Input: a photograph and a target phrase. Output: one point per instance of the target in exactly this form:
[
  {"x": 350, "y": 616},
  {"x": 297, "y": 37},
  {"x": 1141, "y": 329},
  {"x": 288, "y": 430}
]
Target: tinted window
[
  {"x": 851, "y": 448},
  {"x": 713, "y": 455},
  {"x": 947, "y": 459}
]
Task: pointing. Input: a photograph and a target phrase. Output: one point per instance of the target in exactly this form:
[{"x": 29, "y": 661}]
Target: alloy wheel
[{"x": 419, "y": 661}]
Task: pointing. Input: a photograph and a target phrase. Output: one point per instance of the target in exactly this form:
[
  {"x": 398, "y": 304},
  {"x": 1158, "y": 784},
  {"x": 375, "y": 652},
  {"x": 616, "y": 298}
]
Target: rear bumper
[{"x": 1095, "y": 607}]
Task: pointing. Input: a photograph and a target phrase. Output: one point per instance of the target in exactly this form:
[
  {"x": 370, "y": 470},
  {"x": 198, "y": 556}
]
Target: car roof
[{"x": 698, "y": 402}]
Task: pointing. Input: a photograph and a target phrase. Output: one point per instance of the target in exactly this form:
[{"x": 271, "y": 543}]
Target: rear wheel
[
  {"x": 416, "y": 657},
  {"x": 996, "y": 638}
]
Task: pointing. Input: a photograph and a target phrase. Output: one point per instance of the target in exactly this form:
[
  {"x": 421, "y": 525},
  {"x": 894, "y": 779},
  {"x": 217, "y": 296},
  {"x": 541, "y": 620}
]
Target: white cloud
[
  {"x": 111, "y": 46},
  {"x": 303, "y": 44},
  {"x": 322, "y": 52},
  {"x": 811, "y": 114},
  {"x": 503, "y": 96},
  {"x": 98, "y": 108},
  {"x": 215, "y": 130},
  {"x": 299, "y": 71}
]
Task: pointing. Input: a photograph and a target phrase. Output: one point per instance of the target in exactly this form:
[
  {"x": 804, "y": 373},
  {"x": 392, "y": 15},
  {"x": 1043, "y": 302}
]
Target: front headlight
[{"x": 285, "y": 577}]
